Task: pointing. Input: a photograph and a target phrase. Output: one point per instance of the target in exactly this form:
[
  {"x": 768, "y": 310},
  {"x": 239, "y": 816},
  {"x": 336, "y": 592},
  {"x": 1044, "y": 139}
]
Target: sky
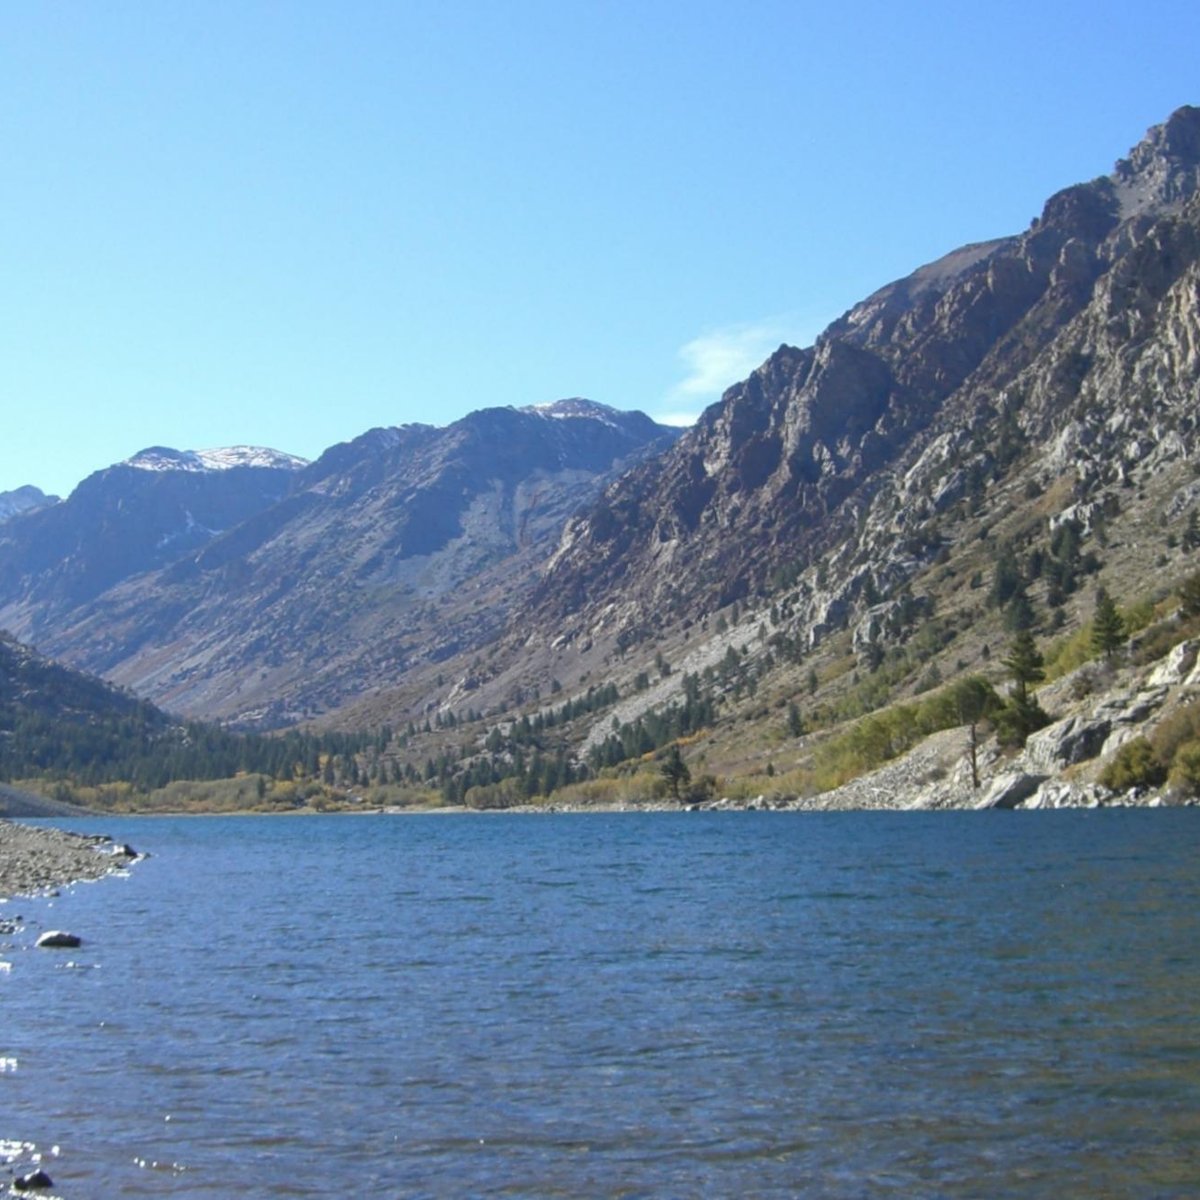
[{"x": 285, "y": 223}]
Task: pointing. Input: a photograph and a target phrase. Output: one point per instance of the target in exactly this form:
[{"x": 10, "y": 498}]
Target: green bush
[
  {"x": 1135, "y": 765},
  {"x": 1020, "y": 717},
  {"x": 1185, "y": 767},
  {"x": 1175, "y": 730}
]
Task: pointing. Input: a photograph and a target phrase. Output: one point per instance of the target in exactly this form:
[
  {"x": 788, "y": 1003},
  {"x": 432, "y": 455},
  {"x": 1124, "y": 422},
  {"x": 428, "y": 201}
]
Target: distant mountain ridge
[
  {"x": 162, "y": 458},
  {"x": 127, "y": 519},
  {"x": 23, "y": 499},
  {"x": 194, "y": 576}
]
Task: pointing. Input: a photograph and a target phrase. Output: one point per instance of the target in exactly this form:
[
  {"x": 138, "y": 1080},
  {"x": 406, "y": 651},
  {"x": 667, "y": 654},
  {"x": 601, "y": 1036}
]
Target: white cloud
[
  {"x": 721, "y": 357},
  {"x": 681, "y": 419}
]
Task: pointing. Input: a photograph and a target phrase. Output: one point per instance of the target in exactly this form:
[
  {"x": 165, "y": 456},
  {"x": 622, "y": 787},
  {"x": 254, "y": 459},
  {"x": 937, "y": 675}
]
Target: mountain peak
[
  {"x": 1177, "y": 139},
  {"x": 1163, "y": 169},
  {"x": 574, "y": 406},
  {"x": 163, "y": 458},
  {"x": 23, "y": 499}
]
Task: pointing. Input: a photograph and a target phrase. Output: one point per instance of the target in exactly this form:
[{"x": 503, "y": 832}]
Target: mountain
[
  {"x": 23, "y": 499},
  {"x": 405, "y": 544},
  {"x": 140, "y": 514},
  {"x": 969, "y": 451},
  {"x": 1070, "y": 351},
  {"x": 832, "y": 563}
]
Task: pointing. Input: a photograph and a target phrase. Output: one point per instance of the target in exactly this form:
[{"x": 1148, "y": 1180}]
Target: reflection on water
[{"x": 758, "y": 1005}]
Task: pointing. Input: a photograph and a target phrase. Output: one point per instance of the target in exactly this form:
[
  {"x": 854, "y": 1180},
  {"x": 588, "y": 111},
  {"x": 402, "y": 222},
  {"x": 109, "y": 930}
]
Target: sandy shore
[{"x": 33, "y": 859}]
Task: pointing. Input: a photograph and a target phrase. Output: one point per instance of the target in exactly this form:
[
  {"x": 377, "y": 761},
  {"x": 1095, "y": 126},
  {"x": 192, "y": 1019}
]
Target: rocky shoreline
[{"x": 35, "y": 859}]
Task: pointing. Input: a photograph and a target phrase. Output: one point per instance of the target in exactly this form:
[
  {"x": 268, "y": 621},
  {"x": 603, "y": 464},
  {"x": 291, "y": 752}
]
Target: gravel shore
[{"x": 34, "y": 859}]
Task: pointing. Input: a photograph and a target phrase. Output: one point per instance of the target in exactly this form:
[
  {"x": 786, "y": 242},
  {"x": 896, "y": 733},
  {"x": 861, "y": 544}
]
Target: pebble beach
[{"x": 35, "y": 859}]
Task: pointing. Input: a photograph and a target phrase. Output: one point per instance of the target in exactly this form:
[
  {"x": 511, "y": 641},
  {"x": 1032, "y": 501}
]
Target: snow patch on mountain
[
  {"x": 561, "y": 410},
  {"x": 163, "y": 458}
]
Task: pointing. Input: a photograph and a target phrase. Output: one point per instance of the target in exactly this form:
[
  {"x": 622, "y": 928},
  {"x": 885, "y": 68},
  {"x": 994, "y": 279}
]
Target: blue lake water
[{"x": 658, "y": 1005}]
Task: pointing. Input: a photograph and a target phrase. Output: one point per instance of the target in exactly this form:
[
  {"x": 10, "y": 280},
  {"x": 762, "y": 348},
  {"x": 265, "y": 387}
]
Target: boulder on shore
[
  {"x": 1010, "y": 789},
  {"x": 1066, "y": 742}
]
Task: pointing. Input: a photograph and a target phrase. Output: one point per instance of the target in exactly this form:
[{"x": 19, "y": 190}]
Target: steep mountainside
[
  {"x": 1075, "y": 341},
  {"x": 140, "y": 514},
  {"x": 403, "y": 545},
  {"x": 967, "y": 453}
]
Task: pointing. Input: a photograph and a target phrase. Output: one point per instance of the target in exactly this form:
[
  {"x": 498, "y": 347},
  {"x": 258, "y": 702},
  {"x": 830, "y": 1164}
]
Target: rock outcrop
[{"x": 1070, "y": 350}]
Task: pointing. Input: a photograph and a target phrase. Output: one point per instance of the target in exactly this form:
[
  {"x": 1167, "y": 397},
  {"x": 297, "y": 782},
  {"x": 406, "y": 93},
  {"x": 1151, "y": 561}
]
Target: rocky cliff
[{"x": 1070, "y": 348}]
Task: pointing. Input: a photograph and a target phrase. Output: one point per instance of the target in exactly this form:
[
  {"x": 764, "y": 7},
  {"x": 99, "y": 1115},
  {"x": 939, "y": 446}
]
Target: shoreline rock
[{"x": 35, "y": 860}]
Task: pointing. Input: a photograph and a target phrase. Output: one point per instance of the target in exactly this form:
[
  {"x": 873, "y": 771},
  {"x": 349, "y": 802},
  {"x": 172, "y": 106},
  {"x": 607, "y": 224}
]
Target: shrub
[
  {"x": 1134, "y": 765},
  {"x": 1175, "y": 730},
  {"x": 1185, "y": 767},
  {"x": 1020, "y": 717}
]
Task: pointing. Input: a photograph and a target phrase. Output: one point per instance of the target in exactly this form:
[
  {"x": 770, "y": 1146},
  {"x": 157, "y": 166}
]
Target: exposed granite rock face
[
  {"x": 1073, "y": 347},
  {"x": 1176, "y": 667},
  {"x": 1010, "y": 790},
  {"x": 1069, "y": 741}
]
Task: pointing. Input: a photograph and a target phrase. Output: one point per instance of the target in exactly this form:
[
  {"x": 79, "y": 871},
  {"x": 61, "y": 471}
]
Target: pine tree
[
  {"x": 1022, "y": 715},
  {"x": 1024, "y": 663},
  {"x": 1108, "y": 630},
  {"x": 675, "y": 771}
]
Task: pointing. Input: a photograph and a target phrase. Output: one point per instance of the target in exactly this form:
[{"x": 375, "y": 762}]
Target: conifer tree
[
  {"x": 1022, "y": 715},
  {"x": 675, "y": 771},
  {"x": 1108, "y": 630},
  {"x": 1025, "y": 663}
]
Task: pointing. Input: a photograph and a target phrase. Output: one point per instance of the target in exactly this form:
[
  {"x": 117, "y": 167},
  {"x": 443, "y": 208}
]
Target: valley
[{"x": 568, "y": 605}]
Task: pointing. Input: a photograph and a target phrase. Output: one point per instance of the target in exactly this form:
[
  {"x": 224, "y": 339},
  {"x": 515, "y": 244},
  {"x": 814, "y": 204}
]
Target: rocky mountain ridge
[
  {"x": 325, "y": 577},
  {"x": 23, "y": 499},
  {"x": 1033, "y": 396},
  {"x": 890, "y": 404},
  {"x": 120, "y": 522}
]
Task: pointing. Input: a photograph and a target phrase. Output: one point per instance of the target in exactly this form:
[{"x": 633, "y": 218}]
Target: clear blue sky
[{"x": 285, "y": 223}]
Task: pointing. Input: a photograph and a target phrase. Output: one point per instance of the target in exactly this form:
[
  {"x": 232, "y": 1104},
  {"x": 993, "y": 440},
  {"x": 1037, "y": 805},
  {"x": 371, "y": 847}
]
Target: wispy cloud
[{"x": 719, "y": 358}]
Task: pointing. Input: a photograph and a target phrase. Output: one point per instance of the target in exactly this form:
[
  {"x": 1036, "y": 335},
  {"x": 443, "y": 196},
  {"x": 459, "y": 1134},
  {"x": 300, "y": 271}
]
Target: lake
[{"x": 618, "y": 1005}]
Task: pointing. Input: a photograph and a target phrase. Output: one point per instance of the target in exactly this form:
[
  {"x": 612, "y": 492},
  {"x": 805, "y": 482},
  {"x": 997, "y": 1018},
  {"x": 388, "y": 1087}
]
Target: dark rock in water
[
  {"x": 59, "y": 939},
  {"x": 34, "y": 1181}
]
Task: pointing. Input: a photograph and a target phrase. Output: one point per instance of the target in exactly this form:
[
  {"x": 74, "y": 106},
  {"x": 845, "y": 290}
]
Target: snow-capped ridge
[
  {"x": 224, "y": 458},
  {"x": 575, "y": 406}
]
